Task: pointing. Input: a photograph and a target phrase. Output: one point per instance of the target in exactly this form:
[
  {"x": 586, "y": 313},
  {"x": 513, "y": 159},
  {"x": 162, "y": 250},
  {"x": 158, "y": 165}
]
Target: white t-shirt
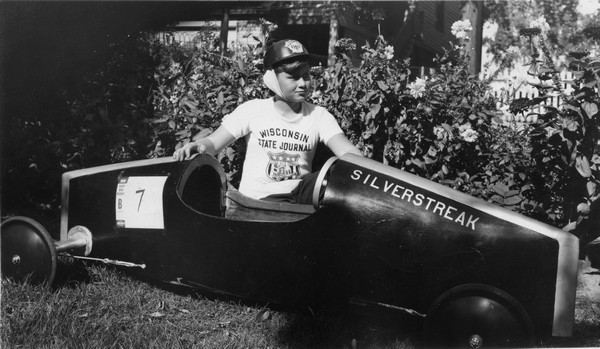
[{"x": 280, "y": 150}]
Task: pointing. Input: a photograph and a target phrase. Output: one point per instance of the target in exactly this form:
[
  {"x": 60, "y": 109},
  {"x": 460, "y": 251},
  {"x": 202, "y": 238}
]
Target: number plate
[{"x": 139, "y": 202}]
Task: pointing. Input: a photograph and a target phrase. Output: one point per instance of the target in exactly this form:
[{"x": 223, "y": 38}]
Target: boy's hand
[{"x": 187, "y": 150}]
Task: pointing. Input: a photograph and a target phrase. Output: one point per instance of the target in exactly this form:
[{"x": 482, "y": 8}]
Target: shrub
[
  {"x": 565, "y": 140},
  {"x": 98, "y": 120},
  {"x": 443, "y": 127},
  {"x": 196, "y": 86}
]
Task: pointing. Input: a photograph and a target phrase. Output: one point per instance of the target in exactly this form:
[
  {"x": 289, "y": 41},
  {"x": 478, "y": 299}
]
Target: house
[{"x": 416, "y": 29}]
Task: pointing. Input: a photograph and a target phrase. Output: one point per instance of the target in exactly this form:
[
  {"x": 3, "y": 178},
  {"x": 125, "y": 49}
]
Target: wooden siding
[{"x": 432, "y": 38}]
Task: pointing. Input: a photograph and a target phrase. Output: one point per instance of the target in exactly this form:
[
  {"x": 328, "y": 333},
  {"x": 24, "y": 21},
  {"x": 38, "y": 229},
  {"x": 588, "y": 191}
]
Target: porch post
[
  {"x": 224, "y": 30},
  {"x": 473, "y": 12}
]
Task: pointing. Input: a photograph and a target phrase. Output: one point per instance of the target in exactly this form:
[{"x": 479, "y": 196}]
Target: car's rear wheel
[
  {"x": 477, "y": 316},
  {"x": 28, "y": 252}
]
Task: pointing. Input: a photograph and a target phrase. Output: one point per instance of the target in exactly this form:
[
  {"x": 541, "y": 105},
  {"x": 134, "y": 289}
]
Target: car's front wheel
[{"x": 28, "y": 252}]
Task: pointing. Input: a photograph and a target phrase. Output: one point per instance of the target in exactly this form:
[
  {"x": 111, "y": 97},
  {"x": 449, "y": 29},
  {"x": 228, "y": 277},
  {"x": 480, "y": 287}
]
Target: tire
[
  {"x": 28, "y": 252},
  {"x": 477, "y": 316}
]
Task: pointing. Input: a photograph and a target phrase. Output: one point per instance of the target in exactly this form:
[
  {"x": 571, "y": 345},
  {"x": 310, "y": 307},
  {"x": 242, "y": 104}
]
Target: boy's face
[{"x": 295, "y": 87}]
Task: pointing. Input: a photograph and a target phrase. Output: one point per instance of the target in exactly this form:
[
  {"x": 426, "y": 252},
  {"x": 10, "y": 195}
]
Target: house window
[{"x": 439, "y": 15}]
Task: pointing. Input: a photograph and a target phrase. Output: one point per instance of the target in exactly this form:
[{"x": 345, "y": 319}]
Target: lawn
[{"x": 98, "y": 307}]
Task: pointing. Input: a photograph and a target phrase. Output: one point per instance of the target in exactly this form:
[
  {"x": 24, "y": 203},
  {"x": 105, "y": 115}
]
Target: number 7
[{"x": 140, "y": 191}]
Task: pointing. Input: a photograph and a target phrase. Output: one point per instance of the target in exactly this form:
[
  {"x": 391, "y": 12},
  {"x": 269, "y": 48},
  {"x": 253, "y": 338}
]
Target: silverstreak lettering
[{"x": 440, "y": 208}]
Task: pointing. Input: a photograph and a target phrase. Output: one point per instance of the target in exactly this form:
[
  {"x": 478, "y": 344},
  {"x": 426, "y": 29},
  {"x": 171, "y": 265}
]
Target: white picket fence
[{"x": 505, "y": 91}]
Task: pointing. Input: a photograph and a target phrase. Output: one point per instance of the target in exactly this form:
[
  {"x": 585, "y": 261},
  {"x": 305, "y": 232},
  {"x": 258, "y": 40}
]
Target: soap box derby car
[{"x": 374, "y": 236}]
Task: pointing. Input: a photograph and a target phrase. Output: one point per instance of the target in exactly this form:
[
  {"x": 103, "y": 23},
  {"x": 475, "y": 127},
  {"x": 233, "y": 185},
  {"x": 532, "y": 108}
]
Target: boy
[{"x": 283, "y": 131}]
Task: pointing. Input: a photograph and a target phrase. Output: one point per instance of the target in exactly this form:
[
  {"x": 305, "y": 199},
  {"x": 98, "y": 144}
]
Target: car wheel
[
  {"x": 28, "y": 252},
  {"x": 477, "y": 316}
]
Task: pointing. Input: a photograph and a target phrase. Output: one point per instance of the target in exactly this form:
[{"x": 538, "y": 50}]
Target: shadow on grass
[
  {"x": 300, "y": 328},
  {"x": 350, "y": 329},
  {"x": 70, "y": 273}
]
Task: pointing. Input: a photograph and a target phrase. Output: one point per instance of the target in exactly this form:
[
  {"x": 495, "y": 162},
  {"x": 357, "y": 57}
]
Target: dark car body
[
  {"x": 378, "y": 235},
  {"x": 375, "y": 236}
]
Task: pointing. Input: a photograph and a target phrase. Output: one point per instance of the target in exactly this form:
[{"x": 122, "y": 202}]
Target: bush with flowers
[
  {"x": 565, "y": 139},
  {"x": 444, "y": 127},
  {"x": 440, "y": 126},
  {"x": 196, "y": 86}
]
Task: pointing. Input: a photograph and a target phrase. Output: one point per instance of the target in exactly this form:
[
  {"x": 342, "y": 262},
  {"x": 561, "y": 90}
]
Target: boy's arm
[
  {"x": 340, "y": 145},
  {"x": 212, "y": 144}
]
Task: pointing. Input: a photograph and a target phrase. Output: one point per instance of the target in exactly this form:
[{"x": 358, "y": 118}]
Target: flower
[
  {"x": 540, "y": 23},
  {"x": 440, "y": 132},
  {"x": 513, "y": 52},
  {"x": 389, "y": 52},
  {"x": 460, "y": 29},
  {"x": 462, "y": 128},
  {"x": 175, "y": 68},
  {"x": 469, "y": 135},
  {"x": 417, "y": 88}
]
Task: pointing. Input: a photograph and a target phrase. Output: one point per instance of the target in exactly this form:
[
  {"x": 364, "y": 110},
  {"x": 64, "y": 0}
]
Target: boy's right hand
[{"x": 187, "y": 150}]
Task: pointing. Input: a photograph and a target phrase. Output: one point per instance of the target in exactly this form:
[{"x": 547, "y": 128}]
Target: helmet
[{"x": 282, "y": 50}]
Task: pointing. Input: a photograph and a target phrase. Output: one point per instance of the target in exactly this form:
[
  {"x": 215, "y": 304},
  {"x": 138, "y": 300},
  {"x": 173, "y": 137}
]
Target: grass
[{"x": 98, "y": 307}]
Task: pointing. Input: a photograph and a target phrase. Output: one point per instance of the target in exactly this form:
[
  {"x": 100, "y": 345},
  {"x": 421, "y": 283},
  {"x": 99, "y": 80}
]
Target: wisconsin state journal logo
[
  {"x": 294, "y": 46},
  {"x": 283, "y": 166}
]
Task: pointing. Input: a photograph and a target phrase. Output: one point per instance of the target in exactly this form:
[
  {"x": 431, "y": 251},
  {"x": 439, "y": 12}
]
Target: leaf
[
  {"x": 158, "y": 121},
  {"x": 591, "y": 188},
  {"x": 374, "y": 109},
  {"x": 590, "y": 109},
  {"x": 158, "y": 314},
  {"x": 501, "y": 189},
  {"x": 583, "y": 208},
  {"x": 570, "y": 107},
  {"x": 183, "y": 132},
  {"x": 512, "y": 200},
  {"x": 498, "y": 199},
  {"x": 382, "y": 85},
  {"x": 430, "y": 161},
  {"x": 418, "y": 162},
  {"x": 511, "y": 193},
  {"x": 583, "y": 166}
]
